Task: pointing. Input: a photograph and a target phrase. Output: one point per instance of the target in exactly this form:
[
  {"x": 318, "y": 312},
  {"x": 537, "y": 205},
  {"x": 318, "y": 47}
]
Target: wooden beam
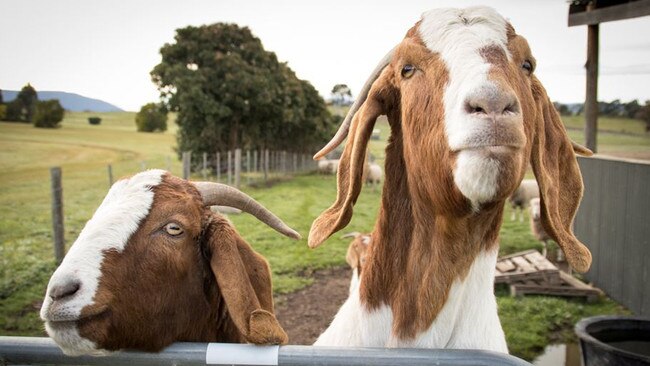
[
  {"x": 634, "y": 9},
  {"x": 591, "y": 95}
]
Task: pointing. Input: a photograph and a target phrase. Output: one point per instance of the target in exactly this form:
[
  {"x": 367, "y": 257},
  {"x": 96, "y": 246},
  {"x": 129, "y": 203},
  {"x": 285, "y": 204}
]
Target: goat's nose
[
  {"x": 67, "y": 289},
  {"x": 492, "y": 102}
]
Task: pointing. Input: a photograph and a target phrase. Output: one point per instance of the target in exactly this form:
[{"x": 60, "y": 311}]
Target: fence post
[
  {"x": 284, "y": 163},
  {"x": 205, "y": 166},
  {"x": 57, "y": 214},
  {"x": 218, "y": 166},
  {"x": 143, "y": 165},
  {"x": 237, "y": 167},
  {"x": 168, "y": 163},
  {"x": 187, "y": 162},
  {"x": 110, "y": 175},
  {"x": 266, "y": 165},
  {"x": 255, "y": 161},
  {"x": 295, "y": 162},
  {"x": 248, "y": 167},
  {"x": 229, "y": 167}
]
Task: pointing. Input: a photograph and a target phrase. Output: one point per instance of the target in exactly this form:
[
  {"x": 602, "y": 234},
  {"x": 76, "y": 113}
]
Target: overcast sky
[{"x": 105, "y": 49}]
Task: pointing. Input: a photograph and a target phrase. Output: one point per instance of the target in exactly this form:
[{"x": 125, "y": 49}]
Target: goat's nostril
[
  {"x": 66, "y": 290},
  {"x": 474, "y": 108}
]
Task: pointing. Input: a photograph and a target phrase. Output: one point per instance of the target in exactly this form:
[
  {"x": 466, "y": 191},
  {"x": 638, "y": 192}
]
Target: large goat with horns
[
  {"x": 466, "y": 113},
  {"x": 155, "y": 265}
]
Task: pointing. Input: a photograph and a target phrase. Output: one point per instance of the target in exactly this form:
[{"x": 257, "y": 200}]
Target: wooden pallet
[{"x": 530, "y": 272}]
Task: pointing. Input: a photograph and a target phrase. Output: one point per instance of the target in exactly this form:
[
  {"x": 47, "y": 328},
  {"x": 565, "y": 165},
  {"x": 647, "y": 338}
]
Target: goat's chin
[{"x": 487, "y": 174}]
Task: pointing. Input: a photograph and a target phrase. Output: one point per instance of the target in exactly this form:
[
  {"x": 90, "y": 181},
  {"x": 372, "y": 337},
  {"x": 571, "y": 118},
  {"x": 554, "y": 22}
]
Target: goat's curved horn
[
  {"x": 342, "y": 132},
  {"x": 581, "y": 150},
  {"x": 350, "y": 235},
  {"x": 220, "y": 194}
]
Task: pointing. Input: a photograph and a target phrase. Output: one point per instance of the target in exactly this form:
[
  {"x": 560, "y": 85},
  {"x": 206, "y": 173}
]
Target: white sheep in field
[
  {"x": 466, "y": 113},
  {"x": 527, "y": 190},
  {"x": 537, "y": 229},
  {"x": 328, "y": 166},
  {"x": 154, "y": 265},
  {"x": 374, "y": 175}
]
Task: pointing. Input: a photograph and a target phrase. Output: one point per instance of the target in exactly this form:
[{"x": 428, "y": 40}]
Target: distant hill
[{"x": 69, "y": 101}]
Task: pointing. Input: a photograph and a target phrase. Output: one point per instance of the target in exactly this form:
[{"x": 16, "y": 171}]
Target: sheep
[
  {"x": 155, "y": 265},
  {"x": 527, "y": 190},
  {"x": 328, "y": 166},
  {"x": 538, "y": 231},
  {"x": 356, "y": 255},
  {"x": 466, "y": 113},
  {"x": 374, "y": 174}
]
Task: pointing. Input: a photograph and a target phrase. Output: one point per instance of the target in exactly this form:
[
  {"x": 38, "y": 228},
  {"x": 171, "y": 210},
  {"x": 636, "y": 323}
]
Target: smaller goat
[
  {"x": 527, "y": 190},
  {"x": 356, "y": 255},
  {"x": 373, "y": 174},
  {"x": 538, "y": 231},
  {"x": 155, "y": 265}
]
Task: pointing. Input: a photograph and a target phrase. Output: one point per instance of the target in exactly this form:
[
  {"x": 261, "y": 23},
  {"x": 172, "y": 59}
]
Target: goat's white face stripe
[
  {"x": 127, "y": 203},
  {"x": 458, "y": 35}
]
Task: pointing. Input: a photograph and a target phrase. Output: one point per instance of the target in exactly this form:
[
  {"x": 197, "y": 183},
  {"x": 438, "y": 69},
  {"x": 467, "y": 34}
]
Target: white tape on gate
[{"x": 241, "y": 354}]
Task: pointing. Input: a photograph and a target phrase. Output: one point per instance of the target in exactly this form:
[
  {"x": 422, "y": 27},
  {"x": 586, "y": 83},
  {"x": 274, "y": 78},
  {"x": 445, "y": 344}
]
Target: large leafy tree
[
  {"x": 229, "y": 92},
  {"x": 151, "y": 118},
  {"x": 27, "y": 99},
  {"x": 49, "y": 114}
]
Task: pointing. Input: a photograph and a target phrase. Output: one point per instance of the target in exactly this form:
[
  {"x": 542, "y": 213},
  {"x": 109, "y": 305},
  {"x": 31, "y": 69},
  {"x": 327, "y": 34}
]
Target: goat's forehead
[{"x": 454, "y": 32}]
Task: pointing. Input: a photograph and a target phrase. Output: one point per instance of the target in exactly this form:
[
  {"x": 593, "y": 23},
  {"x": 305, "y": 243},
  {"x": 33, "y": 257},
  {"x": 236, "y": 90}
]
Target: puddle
[{"x": 559, "y": 355}]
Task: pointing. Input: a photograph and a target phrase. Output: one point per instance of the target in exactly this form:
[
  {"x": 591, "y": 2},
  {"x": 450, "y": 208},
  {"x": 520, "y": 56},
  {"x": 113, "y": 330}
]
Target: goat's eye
[
  {"x": 173, "y": 229},
  {"x": 528, "y": 66},
  {"x": 408, "y": 71}
]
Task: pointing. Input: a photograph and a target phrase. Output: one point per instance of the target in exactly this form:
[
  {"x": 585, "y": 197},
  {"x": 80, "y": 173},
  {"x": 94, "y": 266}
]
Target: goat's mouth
[{"x": 56, "y": 321}]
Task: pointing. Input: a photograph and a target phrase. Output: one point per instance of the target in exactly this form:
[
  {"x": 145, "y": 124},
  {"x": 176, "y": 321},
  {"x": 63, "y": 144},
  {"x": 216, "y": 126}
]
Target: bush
[
  {"x": 94, "y": 120},
  {"x": 3, "y": 112},
  {"x": 48, "y": 114},
  {"x": 151, "y": 118}
]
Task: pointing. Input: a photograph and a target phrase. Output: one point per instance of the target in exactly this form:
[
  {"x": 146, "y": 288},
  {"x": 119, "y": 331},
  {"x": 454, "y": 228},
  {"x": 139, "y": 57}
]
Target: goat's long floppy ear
[
  {"x": 351, "y": 166},
  {"x": 244, "y": 280},
  {"x": 560, "y": 182}
]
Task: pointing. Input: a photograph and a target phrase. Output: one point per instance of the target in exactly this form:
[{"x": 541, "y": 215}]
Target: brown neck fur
[{"x": 423, "y": 240}]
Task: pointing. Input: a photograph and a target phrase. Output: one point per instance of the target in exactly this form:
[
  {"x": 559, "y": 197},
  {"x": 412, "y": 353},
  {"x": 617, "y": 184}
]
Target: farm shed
[{"x": 592, "y": 13}]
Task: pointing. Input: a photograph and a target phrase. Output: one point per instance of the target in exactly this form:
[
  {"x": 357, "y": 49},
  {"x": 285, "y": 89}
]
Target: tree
[
  {"x": 644, "y": 114},
  {"x": 151, "y": 118},
  {"x": 48, "y": 114},
  {"x": 26, "y": 100},
  {"x": 341, "y": 94},
  {"x": 14, "y": 111},
  {"x": 1, "y": 100},
  {"x": 228, "y": 91}
]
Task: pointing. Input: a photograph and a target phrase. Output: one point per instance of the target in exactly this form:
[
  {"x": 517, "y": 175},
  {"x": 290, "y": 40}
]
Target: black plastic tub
[{"x": 614, "y": 341}]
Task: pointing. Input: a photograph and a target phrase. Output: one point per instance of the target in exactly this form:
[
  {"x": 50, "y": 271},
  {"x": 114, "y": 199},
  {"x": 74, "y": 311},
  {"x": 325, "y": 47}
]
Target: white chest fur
[{"x": 468, "y": 319}]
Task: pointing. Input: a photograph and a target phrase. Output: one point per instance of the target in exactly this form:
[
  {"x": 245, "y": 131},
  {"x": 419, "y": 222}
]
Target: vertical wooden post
[
  {"x": 229, "y": 156},
  {"x": 110, "y": 175},
  {"x": 143, "y": 166},
  {"x": 591, "y": 95},
  {"x": 266, "y": 165},
  {"x": 168, "y": 163},
  {"x": 218, "y": 167},
  {"x": 205, "y": 166},
  {"x": 187, "y": 163},
  {"x": 248, "y": 167},
  {"x": 255, "y": 161},
  {"x": 284, "y": 162},
  {"x": 295, "y": 162},
  {"x": 57, "y": 214},
  {"x": 237, "y": 167}
]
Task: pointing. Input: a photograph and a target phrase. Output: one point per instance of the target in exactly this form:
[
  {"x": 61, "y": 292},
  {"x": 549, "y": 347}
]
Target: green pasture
[{"x": 83, "y": 151}]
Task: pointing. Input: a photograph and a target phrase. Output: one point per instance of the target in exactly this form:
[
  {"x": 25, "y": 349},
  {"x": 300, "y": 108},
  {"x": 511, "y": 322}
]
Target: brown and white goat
[
  {"x": 154, "y": 265},
  {"x": 466, "y": 113}
]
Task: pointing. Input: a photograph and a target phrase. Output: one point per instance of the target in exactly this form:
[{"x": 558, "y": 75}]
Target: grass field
[{"x": 83, "y": 151}]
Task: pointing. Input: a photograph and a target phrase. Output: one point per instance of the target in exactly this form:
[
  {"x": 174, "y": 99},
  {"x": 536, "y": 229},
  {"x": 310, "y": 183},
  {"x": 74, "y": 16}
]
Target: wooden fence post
[
  {"x": 168, "y": 163},
  {"x": 237, "y": 167},
  {"x": 266, "y": 165},
  {"x": 110, "y": 175},
  {"x": 143, "y": 166},
  {"x": 295, "y": 162},
  {"x": 205, "y": 166},
  {"x": 57, "y": 214},
  {"x": 248, "y": 167},
  {"x": 229, "y": 167},
  {"x": 187, "y": 163},
  {"x": 218, "y": 163},
  {"x": 255, "y": 161}
]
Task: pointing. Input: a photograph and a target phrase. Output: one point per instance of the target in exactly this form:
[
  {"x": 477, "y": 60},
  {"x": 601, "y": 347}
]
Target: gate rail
[{"x": 43, "y": 351}]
